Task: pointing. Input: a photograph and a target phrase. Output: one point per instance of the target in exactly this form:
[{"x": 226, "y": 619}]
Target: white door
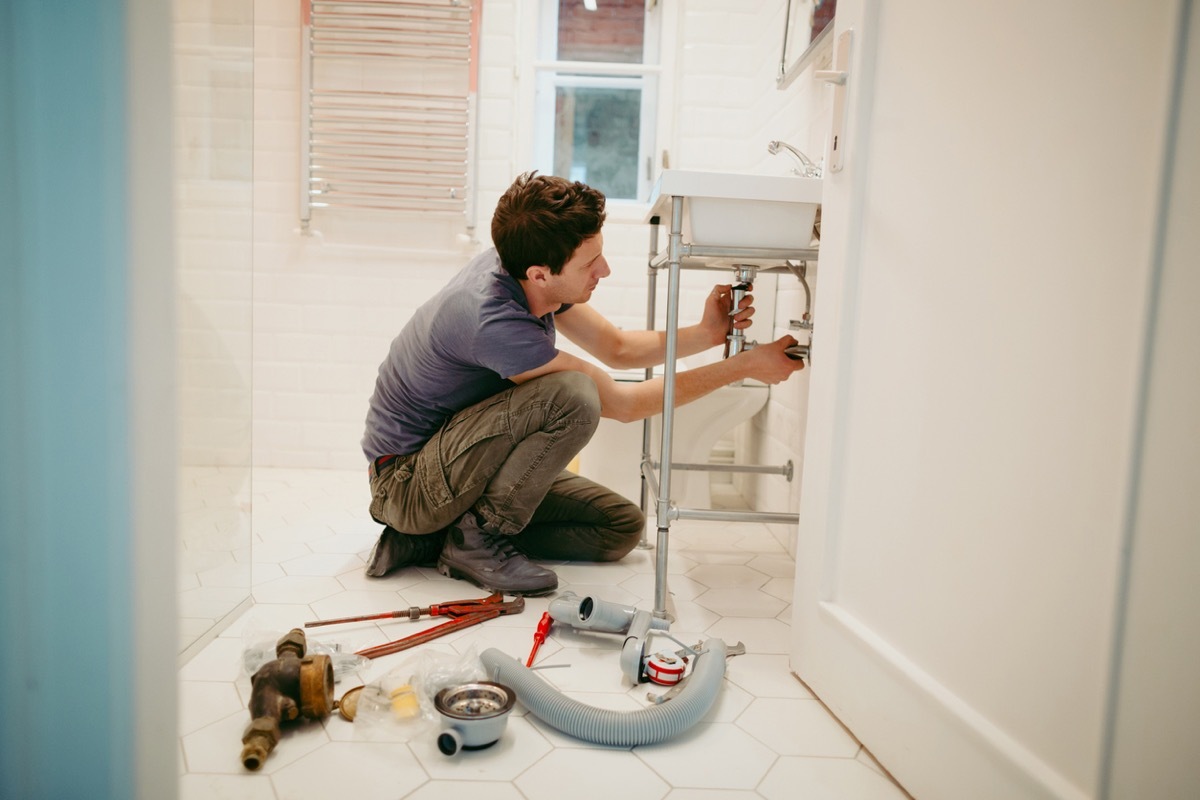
[{"x": 979, "y": 327}]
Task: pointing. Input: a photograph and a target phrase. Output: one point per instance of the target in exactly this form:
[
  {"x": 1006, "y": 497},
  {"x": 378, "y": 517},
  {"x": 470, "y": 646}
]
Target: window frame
[{"x": 550, "y": 74}]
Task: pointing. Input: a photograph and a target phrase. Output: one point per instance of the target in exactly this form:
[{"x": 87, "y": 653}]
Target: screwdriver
[{"x": 539, "y": 636}]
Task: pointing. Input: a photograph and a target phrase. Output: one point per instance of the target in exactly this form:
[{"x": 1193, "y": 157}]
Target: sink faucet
[{"x": 807, "y": 168}]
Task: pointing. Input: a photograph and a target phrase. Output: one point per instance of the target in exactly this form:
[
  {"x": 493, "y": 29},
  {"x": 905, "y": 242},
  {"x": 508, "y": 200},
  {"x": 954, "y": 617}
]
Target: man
[{"x": 476, "y": 413}]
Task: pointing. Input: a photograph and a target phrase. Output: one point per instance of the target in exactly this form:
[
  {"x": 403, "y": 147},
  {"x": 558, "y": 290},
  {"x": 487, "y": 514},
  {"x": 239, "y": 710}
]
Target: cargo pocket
[
  {"x": 388, "y": 489},
  {"x": 467, "y": 451}
]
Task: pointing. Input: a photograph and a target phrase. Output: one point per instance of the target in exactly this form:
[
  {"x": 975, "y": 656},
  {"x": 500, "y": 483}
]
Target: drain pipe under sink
[{"x": 605, "y": 726}]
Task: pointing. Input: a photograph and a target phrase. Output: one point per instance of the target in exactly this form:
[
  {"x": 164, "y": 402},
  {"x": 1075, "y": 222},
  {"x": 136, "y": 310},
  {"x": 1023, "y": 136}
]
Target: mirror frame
[{"x": 788, "y": 71}]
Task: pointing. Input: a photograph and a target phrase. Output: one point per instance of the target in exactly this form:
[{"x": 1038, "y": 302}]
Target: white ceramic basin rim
[
  {"x": 739, "y": 210},
  {"x": 736, "y": 186}
]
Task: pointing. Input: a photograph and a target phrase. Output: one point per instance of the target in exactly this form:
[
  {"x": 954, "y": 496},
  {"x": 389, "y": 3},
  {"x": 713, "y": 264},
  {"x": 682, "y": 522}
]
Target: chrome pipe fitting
[{"x": 735, "y": 341}]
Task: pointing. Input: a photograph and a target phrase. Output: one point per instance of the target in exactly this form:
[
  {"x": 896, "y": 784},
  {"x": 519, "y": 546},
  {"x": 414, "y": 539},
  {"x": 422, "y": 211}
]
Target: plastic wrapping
[
  {"x": 400, "y": 704},
  {"x": 258, "y": 648}
]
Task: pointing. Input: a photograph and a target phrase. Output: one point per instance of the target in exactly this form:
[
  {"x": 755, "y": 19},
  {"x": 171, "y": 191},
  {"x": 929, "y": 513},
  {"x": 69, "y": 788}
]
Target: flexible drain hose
[{"x": 615, "y": 728}]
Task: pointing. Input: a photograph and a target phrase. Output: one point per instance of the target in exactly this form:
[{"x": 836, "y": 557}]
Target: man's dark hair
[{"x": 542, "y": 219}]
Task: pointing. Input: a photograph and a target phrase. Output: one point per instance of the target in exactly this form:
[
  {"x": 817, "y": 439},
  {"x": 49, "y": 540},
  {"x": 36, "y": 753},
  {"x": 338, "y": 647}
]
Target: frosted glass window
[{"x": 596, "y": 138}]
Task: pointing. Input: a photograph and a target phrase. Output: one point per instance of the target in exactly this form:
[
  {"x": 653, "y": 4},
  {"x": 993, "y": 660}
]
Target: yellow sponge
[{"x": 405, "y": 704}]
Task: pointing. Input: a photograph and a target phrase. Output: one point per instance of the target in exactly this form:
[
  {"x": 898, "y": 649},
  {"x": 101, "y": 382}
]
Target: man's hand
[
  {"x": 768, "y": 363},
  {"x": 716, "y": 313}
]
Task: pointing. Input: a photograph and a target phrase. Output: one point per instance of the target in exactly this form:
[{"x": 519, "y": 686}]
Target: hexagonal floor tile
[
  {"x": 777, "y": 566},
  {"x": 797, "y": 727},
  {"x": 590, "y": 669},
  {"x": 519, "y": 747},
  {"x": 354, "y": 604},
  {"x": 233, "y": 787},
  {"x": 202, "y": 702},
  {"x": 765, "y": 675},
  {"x": 362, "y": 770},
  {"x": 727, "y": 576},
  {"x": 321, "y": 564},
  {"x": 741, "y": 602},
  {"x": 783, "y": 588},
  {"x": 710, "y": 756},
  {"x": 296, "y": 588},
  {"x": 456, "y": 790},
  {"x": 610, "y": 773},
  {"x": 216, "y": 748},
  {"x": 680, "y": 587},
  {"x": 826, "y": 779},
  {"x": 759, "y": 635},
  {"x": 593, "y": 574}
]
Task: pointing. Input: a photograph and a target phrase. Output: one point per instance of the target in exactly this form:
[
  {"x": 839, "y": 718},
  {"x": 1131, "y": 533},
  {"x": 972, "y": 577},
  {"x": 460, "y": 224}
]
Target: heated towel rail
[{"x": 388, "y": 105}]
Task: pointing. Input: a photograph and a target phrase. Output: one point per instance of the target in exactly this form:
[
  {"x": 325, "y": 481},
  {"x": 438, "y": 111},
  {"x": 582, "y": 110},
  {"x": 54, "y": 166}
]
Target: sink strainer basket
[{"x": 474, "y": 715}]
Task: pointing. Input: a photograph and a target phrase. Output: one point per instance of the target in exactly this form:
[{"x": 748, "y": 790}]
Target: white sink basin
[{"x": 731, "y": 209}]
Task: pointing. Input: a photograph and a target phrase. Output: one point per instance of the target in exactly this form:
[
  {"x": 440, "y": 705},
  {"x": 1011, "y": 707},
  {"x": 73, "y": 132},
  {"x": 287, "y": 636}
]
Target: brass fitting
[{"x": 292, "y": 685}]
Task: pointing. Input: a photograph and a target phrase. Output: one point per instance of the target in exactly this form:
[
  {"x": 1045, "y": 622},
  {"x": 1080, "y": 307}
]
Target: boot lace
[{"x": 501, "y": 547}]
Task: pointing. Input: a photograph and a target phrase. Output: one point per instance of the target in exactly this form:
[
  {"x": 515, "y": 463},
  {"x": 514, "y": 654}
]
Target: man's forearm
[
  {"x": 645, "y": 399},
  {"x": 641, "y": 349}
]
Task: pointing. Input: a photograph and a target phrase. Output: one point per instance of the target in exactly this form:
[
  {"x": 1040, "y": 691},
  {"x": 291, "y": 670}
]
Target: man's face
[{"x": 582, "y": 272}]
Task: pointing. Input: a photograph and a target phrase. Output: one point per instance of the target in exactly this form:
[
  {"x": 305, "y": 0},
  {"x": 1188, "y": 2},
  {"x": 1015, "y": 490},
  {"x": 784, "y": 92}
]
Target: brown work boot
[
  {"x": 490, "y": 561},
  {"x": 395, "y": 549}
]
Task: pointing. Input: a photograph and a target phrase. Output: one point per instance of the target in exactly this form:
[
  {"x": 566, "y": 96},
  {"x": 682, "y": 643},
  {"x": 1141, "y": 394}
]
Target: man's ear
[{"x": 537, "y": 274}]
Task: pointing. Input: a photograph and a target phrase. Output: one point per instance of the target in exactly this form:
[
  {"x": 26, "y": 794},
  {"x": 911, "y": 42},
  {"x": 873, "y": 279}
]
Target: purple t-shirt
[{"x": 460, "y": 347}]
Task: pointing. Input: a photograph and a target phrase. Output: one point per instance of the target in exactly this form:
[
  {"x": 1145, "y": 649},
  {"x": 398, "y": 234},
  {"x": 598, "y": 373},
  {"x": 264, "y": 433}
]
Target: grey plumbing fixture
[
  {"x": 615, "y": 728},
  {"x": 656, "y": 475},
  {"x": 591, "y": 614},
  {"x": 807, "y": 168},
  {"x": 801, "y": 272},
  {"x": 802, "y": 351},
  {"x": 798, "y": 352},
  {"x": 743, "y": 276},
  {"x": 474, "y": 715}
]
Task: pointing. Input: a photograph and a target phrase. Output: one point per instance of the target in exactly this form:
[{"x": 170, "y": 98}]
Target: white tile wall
[
  {"x": 213, "y": 60},
  {"x": 327, "y": 304},
  {"x": 729, "y": 108},
  {"x": 214, "y": 93}
]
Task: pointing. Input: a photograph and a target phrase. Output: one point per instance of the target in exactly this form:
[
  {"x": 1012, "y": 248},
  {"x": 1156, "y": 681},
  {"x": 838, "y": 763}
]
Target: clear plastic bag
[
  {"x": 399, "y": 705},
  {"x": 259, "y": 648}
]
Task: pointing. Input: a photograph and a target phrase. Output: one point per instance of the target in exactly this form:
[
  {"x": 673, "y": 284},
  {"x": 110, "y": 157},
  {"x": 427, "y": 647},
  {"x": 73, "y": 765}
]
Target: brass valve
[{"x": 292, "y": 685}]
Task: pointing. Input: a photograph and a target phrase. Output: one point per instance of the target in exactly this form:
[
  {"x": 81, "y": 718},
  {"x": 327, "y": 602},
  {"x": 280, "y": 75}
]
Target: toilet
[{"x": 613, "y": 455}]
